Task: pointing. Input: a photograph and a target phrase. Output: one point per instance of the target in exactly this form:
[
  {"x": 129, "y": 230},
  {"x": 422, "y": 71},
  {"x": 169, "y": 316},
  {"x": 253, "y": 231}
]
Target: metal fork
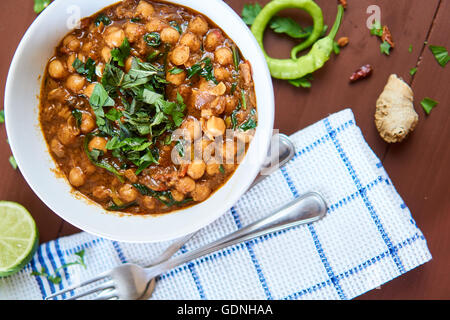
[
  {"x": 129, "y": 281},
  {"x": 281, "y": 151},
  {"x": 284, "y": 152}
]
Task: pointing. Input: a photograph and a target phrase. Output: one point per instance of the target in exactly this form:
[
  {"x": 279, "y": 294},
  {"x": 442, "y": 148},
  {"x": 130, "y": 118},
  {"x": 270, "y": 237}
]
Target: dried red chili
[
  {"x": 362, "y": 73},
  {"x": 387, "y": 36}
]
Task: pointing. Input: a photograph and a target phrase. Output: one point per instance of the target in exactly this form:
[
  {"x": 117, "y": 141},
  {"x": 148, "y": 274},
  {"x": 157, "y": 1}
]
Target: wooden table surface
[{"x": 418, "y": 167}]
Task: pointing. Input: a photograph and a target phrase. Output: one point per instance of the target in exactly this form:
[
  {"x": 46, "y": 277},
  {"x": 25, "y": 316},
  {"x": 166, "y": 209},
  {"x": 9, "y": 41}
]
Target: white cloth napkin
[{"x": 367, "y": 238}]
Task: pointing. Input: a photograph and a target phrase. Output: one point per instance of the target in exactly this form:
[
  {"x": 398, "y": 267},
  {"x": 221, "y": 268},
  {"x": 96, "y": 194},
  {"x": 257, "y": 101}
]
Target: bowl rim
[{"x": 264, "y": 137}]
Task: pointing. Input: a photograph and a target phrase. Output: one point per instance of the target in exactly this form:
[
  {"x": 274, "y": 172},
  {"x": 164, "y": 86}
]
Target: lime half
[{"x": 18, "y": 237}]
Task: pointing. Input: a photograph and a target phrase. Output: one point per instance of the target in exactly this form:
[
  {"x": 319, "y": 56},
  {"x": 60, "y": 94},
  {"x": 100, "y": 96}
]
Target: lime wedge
[{"x": 18, "y": 237}]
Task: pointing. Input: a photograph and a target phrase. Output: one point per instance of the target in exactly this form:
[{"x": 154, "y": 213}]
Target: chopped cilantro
[
  {"x": 2, "y": 116},
  {"x": 440, "y": 54},
  {"x": 40, "y": 5},
  {"x": 377, "y": 29},
  {"x": 12, "y": 162},
  {"x": 428, "y": 104},
  {"x": 385, "y": 48},
  {"x": 413, "y": 71},
  {"x": 250, "y": 12},
  {"x": 120, "y": 54}
]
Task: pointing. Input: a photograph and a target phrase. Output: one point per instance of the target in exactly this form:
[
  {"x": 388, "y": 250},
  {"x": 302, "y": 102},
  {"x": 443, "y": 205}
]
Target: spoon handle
[{"x": 308, "y": 208}]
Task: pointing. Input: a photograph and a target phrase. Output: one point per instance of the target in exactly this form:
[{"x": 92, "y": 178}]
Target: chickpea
[
  {"x": 198, "y": 25},
  {"x": 185, "y": 185},
  {"x": 144, "y": 9},
  {"x": 101, "y": 193},
  {"x": 128, "y": 63},
  {"x": 155, "y": 25},
  {"x": 133, "y": 31},
  {"x": 98, "y": 143},
  {"x": 224, "y": 56},
  {"x": 87, "y": 47},
  {"x": 230, "y": 104},
  {"x": 170, "y": 35},
  {"x": 219, "y": 90},
  {"x": 59, "y": 94},
  {"x": 196, "y": 169},
  {"x": 56, "y": 69},
  {"x": 192, "y": 41},
  {"x": 76, "y": 177},
  {"x": 180, "y": 55},
  {"x": 67, "y": 134},
  {"x": 213, "y": 39},
  {"x": 222, "y": 74},
  {"x": 176, "y": 79},
  {"x": 212, "y": 168},
  {"x": 75, "y": 83},
  {"x": 177, "y": 196},
  {"x": 128, "y": 193},
  {"x": 193, "y": 129},
  {"x": 70, "y": 61},
  {"x": 89, "y": 89},
  {"x": 57, "y": 148},
  {"x": 131, "y": 176},
  {"x": 114, "y": 36},
  {"x": 72, "y": 43},
  {"x": 106, "y": 54},
  {"x": 218, "y": 105},
  {"x": 201, "y": 192},
  {"x": 246, "y": 73},
  {"x": 149, "y": 202},
  {"x": 87, "y": 123},
  {"x": 215, "y": 126}
]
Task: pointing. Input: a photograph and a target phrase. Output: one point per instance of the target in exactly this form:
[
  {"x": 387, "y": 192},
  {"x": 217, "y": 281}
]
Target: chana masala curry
[{"x": 119, "y": 90}]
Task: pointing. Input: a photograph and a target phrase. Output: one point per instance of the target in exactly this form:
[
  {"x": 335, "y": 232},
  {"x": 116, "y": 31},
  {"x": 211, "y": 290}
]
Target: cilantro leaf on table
[
  {"x": 289, "y": 26},
  {"x": 250, "y": 12},
  {"x": 40, "y": 5},
  {"x": 12, "y": 162},
  {"x": 304, "y": 82},
  {"x": 413, "y": 71},
  {"x": 377, "y": 29},
  {"x": 428, "y": 104},
  {"x": 440, "y": 54},
  {"x": 385, "y": 48},
  {"x": 2, "y": 116}
]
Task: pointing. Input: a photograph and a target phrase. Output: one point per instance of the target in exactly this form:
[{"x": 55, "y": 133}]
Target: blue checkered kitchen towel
[{"x": 367, "y": 238}]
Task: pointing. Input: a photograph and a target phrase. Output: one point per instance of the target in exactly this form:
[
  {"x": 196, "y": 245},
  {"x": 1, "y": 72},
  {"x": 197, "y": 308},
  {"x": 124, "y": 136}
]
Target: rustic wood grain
[{"x": 418, "y": 167}]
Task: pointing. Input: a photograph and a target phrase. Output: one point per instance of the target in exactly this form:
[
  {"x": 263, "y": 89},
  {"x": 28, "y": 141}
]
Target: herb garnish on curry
[{"x": 118, "y": 89}]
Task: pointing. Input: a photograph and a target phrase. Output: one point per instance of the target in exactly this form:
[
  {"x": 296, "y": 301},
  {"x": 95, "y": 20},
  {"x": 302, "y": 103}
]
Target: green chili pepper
[{"x": 295, "y": 68}]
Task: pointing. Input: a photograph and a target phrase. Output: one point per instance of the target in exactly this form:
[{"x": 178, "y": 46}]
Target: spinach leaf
[
  {"x": 249, "y": 124},
  {"x": 204, "y": 69},
  {"x": 164, "y": 196},
  {"x": 86, "y": 69},
  {"x": 102, "y": 18},
  {"x": 78, "y": 116},
  {"x": 152, "y": 39}
]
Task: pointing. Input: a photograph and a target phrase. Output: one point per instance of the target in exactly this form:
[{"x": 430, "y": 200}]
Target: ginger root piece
[{"x": 395, "y": 116}]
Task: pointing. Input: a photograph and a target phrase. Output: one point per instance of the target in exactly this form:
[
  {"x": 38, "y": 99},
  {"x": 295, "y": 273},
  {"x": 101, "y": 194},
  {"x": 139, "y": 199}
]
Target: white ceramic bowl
[{"x": 31, "y": 152}]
